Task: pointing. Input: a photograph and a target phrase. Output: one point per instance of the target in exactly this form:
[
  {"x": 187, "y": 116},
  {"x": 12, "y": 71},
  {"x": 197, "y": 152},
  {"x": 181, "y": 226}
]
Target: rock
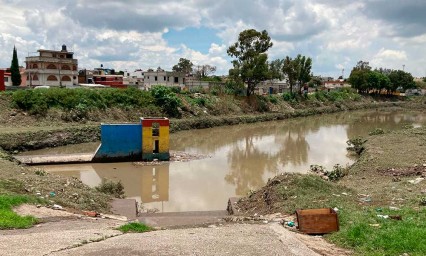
[
  {"x": 57, "y": 207},
  {"x": 90, "y": 213},
  {"x": 212, "y": 226},
  {"x": 416, "y": 181},
  {"x": 265, "y": 222},
  {"x": 393, "y": 208}
]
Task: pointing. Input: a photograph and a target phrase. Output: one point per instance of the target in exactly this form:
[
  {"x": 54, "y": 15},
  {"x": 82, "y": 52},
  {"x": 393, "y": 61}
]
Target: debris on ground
[{"x": 175, "y": 156}]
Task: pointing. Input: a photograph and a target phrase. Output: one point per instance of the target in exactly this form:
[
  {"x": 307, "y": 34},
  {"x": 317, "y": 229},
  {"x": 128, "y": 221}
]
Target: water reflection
[{"x": 242, "y": 158}]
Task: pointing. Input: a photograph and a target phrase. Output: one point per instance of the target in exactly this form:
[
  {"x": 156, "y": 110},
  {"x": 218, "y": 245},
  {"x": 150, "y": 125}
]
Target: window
[
  {"x": 164, "y": 78},
  {"x": 66, "y": 67},
  {"x": 155, "y": 78},
  {"x": 52, "y": 78},
  {"x": 51, "y": 66},
  {"x": 176, "y": 80},
  {"x": 155, "y": 129},
  {"x": 35, "y": 77},
  {"x": 6, "y": 79},
  {"x": 66, "y": 79},
  {"x": 35, "y": 66},
  {"x": 103, "y": 78}
]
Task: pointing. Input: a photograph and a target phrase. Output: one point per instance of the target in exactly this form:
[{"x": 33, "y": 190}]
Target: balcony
[{"x": 51, "y": 59}]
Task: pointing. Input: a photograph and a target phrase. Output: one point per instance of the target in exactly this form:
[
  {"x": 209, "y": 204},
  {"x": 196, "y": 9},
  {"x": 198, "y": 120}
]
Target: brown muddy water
[{"x": 241, "y": 158}]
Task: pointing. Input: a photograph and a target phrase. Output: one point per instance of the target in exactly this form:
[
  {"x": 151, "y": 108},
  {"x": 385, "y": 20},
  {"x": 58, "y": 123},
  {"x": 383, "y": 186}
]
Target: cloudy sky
[{"x": 131, "y": 34}]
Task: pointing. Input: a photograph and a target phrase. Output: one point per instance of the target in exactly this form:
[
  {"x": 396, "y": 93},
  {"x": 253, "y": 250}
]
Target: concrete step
[
  {"x": 55, "y": 159},
  {"x": 182, "y": 219}
]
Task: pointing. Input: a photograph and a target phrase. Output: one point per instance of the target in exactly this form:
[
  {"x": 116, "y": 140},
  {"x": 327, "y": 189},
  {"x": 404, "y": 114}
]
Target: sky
[{"x": 133, "y": 34}]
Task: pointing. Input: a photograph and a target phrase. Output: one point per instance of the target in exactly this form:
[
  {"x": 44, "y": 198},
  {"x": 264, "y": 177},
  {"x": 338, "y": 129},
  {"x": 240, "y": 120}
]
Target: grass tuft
[
  {"x": 8, "y": 218},
  {"x": 135, "y": 227}
]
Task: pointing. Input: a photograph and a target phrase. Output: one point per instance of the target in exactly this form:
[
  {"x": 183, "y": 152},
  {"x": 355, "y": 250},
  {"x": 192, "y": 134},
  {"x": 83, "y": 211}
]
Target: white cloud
[{"x": 129, "y": 34}]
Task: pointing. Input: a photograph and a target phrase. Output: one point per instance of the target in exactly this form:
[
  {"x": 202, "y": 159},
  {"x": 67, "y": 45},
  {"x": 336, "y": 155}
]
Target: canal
[{"x": 237, "y": 158}]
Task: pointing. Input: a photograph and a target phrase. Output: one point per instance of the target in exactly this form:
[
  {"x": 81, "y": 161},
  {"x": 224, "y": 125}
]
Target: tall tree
[
  {"x": 400, "y": 78},
  {"x": 359, "y": 76},
  {"x": 184, "y": 66},
  {"x": 14, "y": 69},
  {"x": 276, "y": 69},
  {"x": 251, "y": 63},
  {"x": 204, "y": 70},
  {"x": 305, "y": 65},
  {"x": 291, "y": 69}
]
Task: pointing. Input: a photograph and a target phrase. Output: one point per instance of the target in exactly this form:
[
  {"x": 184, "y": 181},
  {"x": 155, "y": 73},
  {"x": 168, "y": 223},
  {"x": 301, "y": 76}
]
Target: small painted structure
[
  {"x": 144, "y": 141},
  {"x": 155, "y": 139}
]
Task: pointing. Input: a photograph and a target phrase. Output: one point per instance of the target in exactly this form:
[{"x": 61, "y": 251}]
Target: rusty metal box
[{"x": 317, "y": 221}]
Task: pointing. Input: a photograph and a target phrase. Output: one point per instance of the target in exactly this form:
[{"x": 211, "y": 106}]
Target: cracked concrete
[
  {"x": 45, "y": 238},
  {"x": 72, "y": 234}
]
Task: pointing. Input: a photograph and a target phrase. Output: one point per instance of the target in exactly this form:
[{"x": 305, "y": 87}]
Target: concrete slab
[
  {"x": 55, "y": 159},
  {"x": 183, "y": 219},
  {"x": 125, "y": 207},
  {"x": 50, "y": 237},
  {"x": 238, "y": 239}
]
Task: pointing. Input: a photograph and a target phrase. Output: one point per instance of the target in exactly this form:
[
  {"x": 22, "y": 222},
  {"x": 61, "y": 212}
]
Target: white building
[
  {"x": 161, "y": 77},
  {"x": 134, "y": 78},
  {"x": 52, "y": 68}
]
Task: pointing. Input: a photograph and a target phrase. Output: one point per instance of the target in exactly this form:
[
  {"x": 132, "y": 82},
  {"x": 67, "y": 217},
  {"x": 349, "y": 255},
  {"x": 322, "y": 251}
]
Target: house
[
  {"x": 161, "y": 77},
  {"x": 334, "y": 84},
  {"x": 108, "y": 77},
  {"x": 273, "y": 86},
  {"x": 7, "y": 77},
  {"x": 52, "y": 68},
  {"x": 134, "y": 78}
]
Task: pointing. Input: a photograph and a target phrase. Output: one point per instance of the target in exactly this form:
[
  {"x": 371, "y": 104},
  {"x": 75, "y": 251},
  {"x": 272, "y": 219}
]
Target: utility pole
[{"x": 403, "y": 67}]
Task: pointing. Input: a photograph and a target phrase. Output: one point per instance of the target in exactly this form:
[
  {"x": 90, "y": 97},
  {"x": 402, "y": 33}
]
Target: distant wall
[
  {"x": 119, "y": 142},
  {"x": 2, "y": 86}
]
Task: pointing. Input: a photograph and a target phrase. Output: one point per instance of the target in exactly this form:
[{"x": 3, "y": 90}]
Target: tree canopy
[
  {"x": 305, "y": 65},
  {"x": 184, "y": 66},
  {"x": 14, "y": 69},
  {"x": 365, "y": 80},
  {"x": 251, "y": 63},
  {"x": 291, "y": 69}
]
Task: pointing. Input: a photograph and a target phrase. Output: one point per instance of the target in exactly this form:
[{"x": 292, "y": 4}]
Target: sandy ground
[{"x": 66, "y": 233}]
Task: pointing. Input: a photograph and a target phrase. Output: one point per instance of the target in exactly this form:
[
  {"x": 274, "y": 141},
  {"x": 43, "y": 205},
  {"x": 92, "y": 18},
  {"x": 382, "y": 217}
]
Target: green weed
[
  {"x": 8, "y": 218},
  {"x": 135, "y": 227}
]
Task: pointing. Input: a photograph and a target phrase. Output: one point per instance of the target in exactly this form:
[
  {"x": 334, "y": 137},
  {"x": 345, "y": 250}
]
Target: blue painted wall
[{"x": 119, "y": 142}]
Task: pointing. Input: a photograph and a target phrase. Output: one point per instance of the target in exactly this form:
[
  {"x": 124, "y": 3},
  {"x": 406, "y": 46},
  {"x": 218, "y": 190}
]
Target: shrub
[
  {"x": 79, "y": 101},
  {"x": 273, "y": 99},
  {"x": 356, "y": 145},
  {"x": 337, "y": 173},
  {"x": 110, "y": 187},
  {"x": 376, "y": 131},
  {"x": 167, "y": 100},
  {"x": 287, "y": 96}
]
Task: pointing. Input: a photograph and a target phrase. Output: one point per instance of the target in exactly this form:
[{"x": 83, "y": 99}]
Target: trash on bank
[{"x": 317, "y": 221}]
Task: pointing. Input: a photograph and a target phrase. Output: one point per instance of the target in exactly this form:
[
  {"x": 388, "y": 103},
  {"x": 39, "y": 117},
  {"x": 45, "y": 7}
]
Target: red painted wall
[{"x": 2, "y": 87}]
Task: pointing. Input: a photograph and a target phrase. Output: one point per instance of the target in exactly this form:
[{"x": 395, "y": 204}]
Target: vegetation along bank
[{"x": 73, "y": 116}]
